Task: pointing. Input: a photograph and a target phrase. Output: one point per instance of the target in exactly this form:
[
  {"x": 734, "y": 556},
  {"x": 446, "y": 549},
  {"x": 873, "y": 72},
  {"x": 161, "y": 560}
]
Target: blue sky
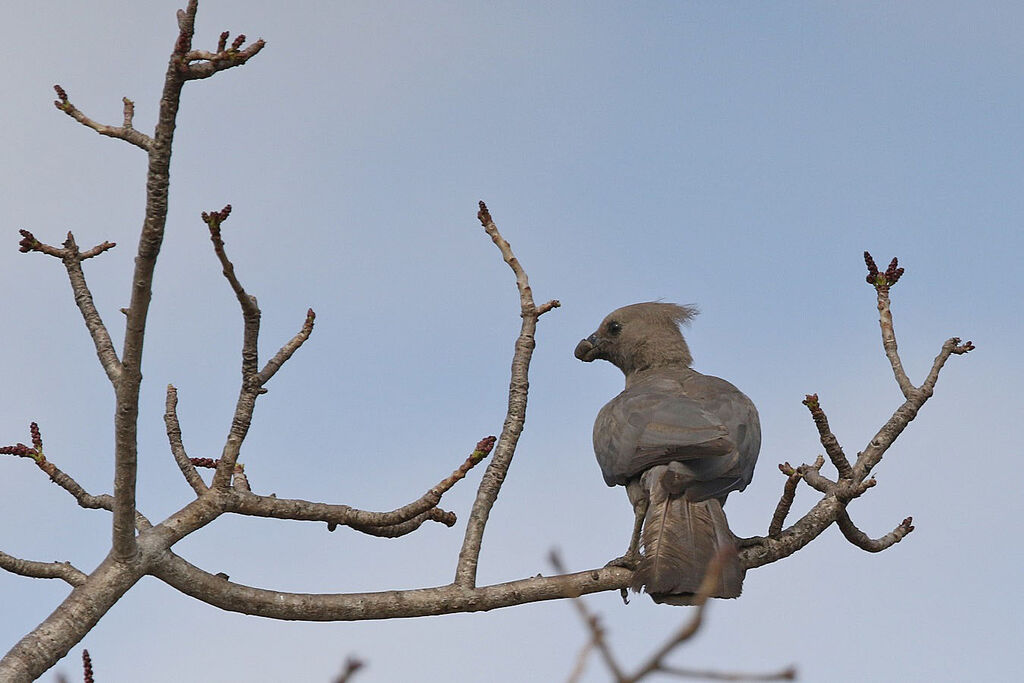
[{"x": 740, "y": 156}]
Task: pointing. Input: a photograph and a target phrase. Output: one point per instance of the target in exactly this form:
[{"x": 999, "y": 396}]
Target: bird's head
[{"x": 640, "y": 336}]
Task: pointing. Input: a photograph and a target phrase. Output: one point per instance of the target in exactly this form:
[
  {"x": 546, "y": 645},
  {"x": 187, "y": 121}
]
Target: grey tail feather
[{"x": 680, "y": 539}]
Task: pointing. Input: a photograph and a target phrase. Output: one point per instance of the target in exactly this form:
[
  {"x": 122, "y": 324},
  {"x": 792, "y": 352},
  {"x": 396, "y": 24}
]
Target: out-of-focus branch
[
  {"x": 86, "y": 667},
  {"x": 490, "y": 485},
  {"x": 593, "y": 623},
  {"x": 656, "y": 664},
  {"x": 787, "y": 674},
  {"x": 689, "y": 629},
  {"x": 352, "y": 666}
]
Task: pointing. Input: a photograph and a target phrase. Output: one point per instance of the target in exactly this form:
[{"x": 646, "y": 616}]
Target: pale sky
[{"x": 740, "y": 156}]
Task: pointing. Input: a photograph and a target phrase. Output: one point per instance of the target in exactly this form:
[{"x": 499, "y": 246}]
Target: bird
[{"x": 680, "y": 442}]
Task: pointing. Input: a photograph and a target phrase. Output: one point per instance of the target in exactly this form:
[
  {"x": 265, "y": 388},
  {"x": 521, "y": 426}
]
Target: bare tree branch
[
  {"x": 286, "y": 351},
  {"x": 853, "y": 479},
  {"x": 123, "y": 132},
  {"x": 864, "y": 542},
  {"x": 252, "y": 381},
  {"x": 787, "y": 674},
  {"x": 882, "y": 282},
  {"x": 490, "y": 485},
  {"x": 828, "y": 439},
  {"x": 177, "y": 447},
  {"x": 72, "y": 260},
  {"x": 42, "y": 570},
  {"x": 450, "y": 599},
  {"x": 786, "y": 502},
  {"x": 139, "y": 548},
  {"x": 224, "y": 58}
]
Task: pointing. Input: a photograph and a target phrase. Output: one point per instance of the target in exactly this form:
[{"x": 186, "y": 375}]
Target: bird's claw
[{"x": 628, "y": 561}]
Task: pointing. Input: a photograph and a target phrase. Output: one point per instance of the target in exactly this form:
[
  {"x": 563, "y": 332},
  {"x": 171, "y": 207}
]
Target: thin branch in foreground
[
  {"x": 655, "y": 663},
  {"x": 787, "y": 674},
  {"x": 352, "y": 664},
  {"x": 593, "y": 622}
]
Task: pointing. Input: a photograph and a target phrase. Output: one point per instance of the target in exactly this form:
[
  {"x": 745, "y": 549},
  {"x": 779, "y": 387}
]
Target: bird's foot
[{"x": 628, "y": 561}]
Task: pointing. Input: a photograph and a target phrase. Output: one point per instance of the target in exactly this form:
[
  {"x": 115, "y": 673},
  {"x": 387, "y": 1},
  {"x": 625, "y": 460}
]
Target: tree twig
[
  {"x": 123, "y": 132},
  {"x": 42, "y": 570},
  {"x": 854, "y": 479},
  {"x": 72, "y": 259},
  {"x": 786, "y": 501},
  {"x": 490, "y": 484},
  {"x": 864, "y": 542},
  {"x": 828, "y": 439},
  {"x": 177, "y": 447}
]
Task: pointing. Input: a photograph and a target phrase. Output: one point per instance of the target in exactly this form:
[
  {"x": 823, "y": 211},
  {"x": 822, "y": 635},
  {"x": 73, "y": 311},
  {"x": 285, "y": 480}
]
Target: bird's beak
[{"x": 589, "y": 349}]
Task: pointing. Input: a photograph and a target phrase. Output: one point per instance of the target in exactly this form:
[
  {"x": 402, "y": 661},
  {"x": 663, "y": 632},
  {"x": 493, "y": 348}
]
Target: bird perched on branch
[{"x": 680, "y": 442}]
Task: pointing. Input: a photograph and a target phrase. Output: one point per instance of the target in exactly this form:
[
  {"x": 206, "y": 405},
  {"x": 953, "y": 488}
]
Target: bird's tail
[{"x": 680, "y": 541}]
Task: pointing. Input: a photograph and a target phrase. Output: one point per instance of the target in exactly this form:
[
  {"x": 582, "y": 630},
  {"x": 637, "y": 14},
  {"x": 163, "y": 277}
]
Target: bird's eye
[{"x": 614, "y": 328}]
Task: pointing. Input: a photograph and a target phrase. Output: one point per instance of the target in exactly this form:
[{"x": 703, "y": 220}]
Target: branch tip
[
  {"x": 483, "y": 214},
  {"x": 28, "y": 242},
  {"x": 887, "y": 279},
  {"x": 960, "y": 349},
  {"x": 544, "y": 308},
  {"x": 214, "y": 218}
]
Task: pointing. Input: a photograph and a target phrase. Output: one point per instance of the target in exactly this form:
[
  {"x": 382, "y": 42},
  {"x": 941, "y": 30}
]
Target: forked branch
[
  {"x": 853, "y": 480},
  {"x": 125, "y": 131},
  {"x": 72, "y": 259}
]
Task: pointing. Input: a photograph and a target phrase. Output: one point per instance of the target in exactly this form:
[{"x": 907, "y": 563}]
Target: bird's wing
[{"x": 655, "y": 424}]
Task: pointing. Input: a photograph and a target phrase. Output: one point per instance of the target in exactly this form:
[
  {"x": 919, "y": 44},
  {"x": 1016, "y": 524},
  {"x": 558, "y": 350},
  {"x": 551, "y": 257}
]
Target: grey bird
[{"x": 680, "y": 442}]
